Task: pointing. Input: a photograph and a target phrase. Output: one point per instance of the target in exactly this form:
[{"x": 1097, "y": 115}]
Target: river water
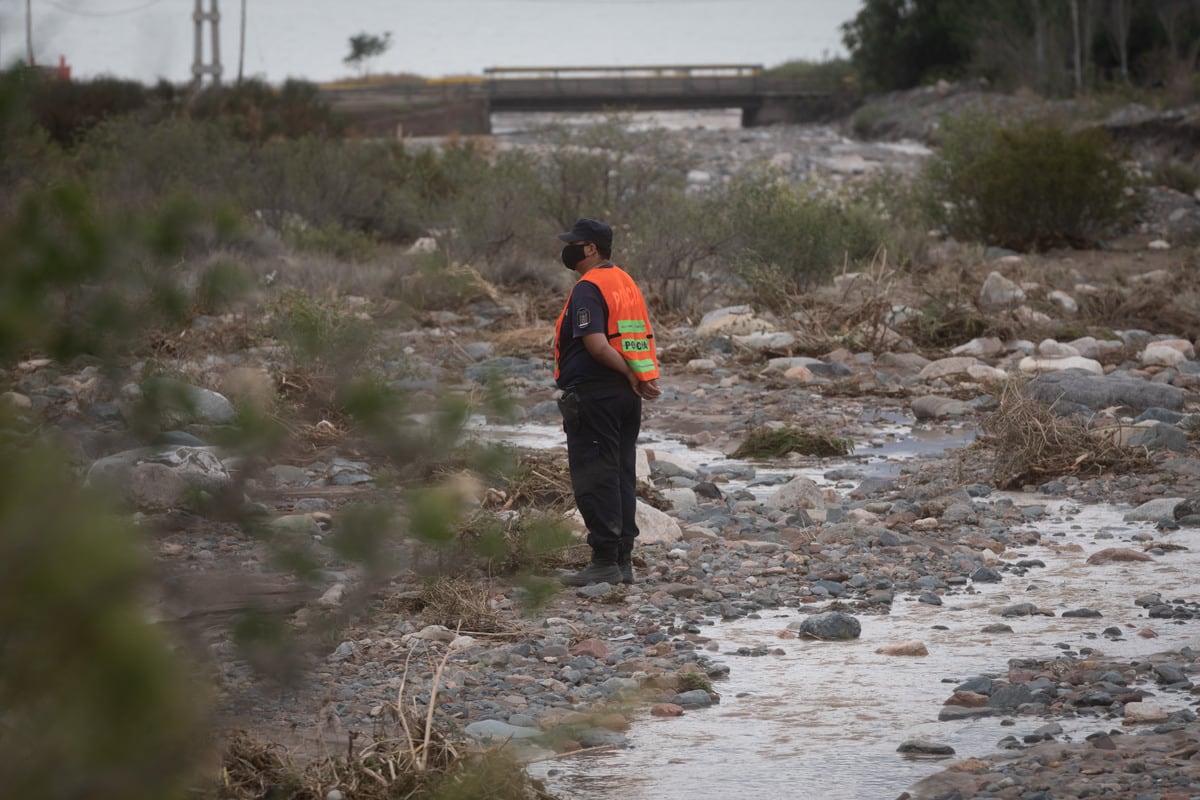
[{"x": 824, "y": 719}]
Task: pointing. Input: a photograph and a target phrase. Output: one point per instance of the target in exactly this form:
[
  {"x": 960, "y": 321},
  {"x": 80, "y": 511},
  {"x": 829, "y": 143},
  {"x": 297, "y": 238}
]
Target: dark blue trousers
[{"x": 602, "y": 423}]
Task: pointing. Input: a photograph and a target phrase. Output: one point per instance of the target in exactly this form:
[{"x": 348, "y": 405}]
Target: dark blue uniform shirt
[{"x": 586, "y": 313}]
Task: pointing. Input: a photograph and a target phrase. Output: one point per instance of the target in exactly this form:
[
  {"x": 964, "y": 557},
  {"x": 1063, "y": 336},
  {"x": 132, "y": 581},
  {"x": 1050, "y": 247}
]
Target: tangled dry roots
[
  {"x": 458, "y": 603},
  {"x": 1033, "y": 445}
]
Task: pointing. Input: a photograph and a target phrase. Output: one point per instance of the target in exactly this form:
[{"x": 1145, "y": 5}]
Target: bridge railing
[{"x": 728, "y": 80}]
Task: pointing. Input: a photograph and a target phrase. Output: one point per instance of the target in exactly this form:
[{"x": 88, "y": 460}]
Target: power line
[{"x": 80, "y": 12}]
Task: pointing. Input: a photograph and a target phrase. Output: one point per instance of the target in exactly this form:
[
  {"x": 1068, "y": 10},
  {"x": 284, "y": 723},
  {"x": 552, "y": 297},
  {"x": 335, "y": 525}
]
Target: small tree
[{"x": 364, "y": 47}]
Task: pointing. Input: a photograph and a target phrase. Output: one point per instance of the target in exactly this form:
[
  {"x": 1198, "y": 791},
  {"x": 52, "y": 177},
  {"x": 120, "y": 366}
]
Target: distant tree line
[{"x": 1056, "y": 47}]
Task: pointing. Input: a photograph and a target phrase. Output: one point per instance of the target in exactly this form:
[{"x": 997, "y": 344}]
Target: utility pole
[
  {"x": 242, "y": 44},
  {"x": 199, "y": 68},
  {"x": 29, "y": 32}
]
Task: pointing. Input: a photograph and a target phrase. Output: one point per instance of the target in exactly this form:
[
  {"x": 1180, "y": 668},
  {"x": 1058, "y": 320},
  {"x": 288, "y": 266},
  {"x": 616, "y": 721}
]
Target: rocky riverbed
[{"x": 723, "y": 539}]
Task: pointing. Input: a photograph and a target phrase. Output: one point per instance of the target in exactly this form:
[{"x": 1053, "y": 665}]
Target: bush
[
  {"x": 1175, "y": 175},
  {"x": 788, "y": 239},
  {"x": 259, "y": 112},
  {"x": 1029, "y": 186}
]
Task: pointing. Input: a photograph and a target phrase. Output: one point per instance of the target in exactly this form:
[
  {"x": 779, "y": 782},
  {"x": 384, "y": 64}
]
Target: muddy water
[{"x": 824, "y": 719}]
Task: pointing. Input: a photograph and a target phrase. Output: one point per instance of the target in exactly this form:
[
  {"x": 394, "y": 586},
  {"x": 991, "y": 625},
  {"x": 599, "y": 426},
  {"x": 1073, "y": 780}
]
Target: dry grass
[
  {"x": 541, "y": 481},
  {"x": 1173, "y": 305},
  {"x": 384, "y": 769},
  {"x": 1033, "y": 445},
  {"x": 461, "y": 604},
  {"x": 409, "y": 756}
]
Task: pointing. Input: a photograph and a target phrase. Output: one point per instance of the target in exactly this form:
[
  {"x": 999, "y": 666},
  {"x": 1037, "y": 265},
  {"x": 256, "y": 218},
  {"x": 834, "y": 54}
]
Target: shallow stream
[{"x": 825, "y": 719}]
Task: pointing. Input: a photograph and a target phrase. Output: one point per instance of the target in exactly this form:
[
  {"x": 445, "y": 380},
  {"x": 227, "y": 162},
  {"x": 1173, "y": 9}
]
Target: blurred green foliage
[{"x": 96, "y": 703}]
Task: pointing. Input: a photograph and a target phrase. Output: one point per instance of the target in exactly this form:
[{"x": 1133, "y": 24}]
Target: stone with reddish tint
[
  {"x": 967, "y": 700},
  {"x": 1117, "y": 555},
  {"x": 590, "y": 647},
  {"x": 666, "y": 710}
]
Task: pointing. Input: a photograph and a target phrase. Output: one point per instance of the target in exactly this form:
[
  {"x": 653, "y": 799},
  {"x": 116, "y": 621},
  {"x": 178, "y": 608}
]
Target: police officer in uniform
[{"x": 605, "y": 363}]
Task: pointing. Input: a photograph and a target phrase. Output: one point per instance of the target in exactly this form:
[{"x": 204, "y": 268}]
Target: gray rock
[
  {"x": 156, "y": 487},
  {"x": 1160, "y": 415},
  {"x": 923, "y": 748},
  {"x": 1019, "y": 610},
  {"x": 1009, "y": 695},
  {"x": 602, "y": 737},
  {"x": 1153, "y": 510},
  {"x": 1187, "y": 508},
  {"x": 937, "y": 407},
  {"x": 695, "y": 698},
  {"x": 952, "y": 713},
  {"x": 479, "y": 351},
  {"x": 831, "y": 626},
  {"x": 999, "y": 292},
  {"x": 986, "y": 575},
  {"x": 296, "y": 524},
  {"x": 1085, "y": 613},
  {"x": 493, "y": 730},
  {"x": 1161, "y": 437},
  {"x": 344, "y": 652},
  {"x": 182, "y": 404},
  {"x": 1169, "y": 673},
  {"x": 980, "y": 684},
  {"x": 182, "y": 438},
  {"x": 199, "y": 467},
  {"x": 1102, "y": 391}
]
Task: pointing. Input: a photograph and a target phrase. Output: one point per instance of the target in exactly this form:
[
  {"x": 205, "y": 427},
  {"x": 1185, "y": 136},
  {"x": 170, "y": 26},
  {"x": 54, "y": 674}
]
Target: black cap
[{"x": 589, "y": 230}]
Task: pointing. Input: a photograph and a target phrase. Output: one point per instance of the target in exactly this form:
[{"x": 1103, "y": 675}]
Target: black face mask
[{"x": 572, "y": 254}]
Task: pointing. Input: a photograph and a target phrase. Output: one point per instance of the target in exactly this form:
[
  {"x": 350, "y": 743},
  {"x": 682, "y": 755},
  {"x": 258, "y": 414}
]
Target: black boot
[
  {"x": 625, "y": 563},
  {"x": 603, "y": 569}
]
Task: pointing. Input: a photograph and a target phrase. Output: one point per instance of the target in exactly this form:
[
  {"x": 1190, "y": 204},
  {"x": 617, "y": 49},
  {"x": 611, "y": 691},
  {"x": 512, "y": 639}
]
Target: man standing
[{"x": 605, "y": 363}]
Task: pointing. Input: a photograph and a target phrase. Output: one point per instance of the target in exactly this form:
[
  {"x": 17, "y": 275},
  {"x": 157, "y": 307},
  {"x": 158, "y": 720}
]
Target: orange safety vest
[{"x": 629, "y": 328}]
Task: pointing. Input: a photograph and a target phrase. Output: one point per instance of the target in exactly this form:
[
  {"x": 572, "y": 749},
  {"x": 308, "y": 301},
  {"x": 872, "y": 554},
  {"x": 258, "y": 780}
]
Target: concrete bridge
[
  {"x": 464, "y": 105},
  {"x": 674, "y": 87}
]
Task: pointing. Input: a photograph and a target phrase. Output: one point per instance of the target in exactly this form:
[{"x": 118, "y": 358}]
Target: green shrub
[
  {"x": 67, "y": 110},
  {"x": 259, "y": 112},
  {"x": 788, "y": 239},
  {"x": 333, "y": 240},
  {"x": 317, "y": 331},
  {"x": 1175, "y": 175},
  {"x": 1028, "y": 186},
  {"x": 864, "y": 121}
]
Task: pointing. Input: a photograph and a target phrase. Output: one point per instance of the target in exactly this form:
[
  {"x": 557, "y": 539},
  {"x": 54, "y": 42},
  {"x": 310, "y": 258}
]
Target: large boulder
[
  {"x": 798, "y": 494},
  {"x": 1103, "y": 391},
  {"x": 181, "y": 404},
  {"x": 831, "y": 626},
  {"x": 199, "y": 467},
  {"x": 999, "y": 292},
  {"x": 1039, "y": 366},
  {"x": 937, "y": 407},
  {"x": 655, "y": 527},
  {"x": 946, "y": 367},
  {"x": 731, "y": 320}
]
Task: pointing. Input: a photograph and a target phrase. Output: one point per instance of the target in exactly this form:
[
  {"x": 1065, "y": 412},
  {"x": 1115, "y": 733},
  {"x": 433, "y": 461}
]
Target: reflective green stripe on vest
[
  {"x": 641, "y": 364},
  {"x": 631, "y": 326}
]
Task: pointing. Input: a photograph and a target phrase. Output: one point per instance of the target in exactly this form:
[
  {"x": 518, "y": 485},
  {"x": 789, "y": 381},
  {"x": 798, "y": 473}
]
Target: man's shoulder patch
[{"x": 583, "y": 318}]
